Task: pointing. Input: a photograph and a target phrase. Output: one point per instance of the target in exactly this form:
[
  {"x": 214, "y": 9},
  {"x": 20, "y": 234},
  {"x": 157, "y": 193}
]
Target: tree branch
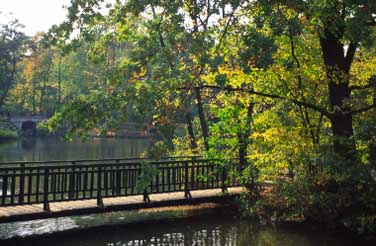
[
  {"x": 372, "y": 23},
  {"x": 267, "y": 95},
  {"x": 371, "y": 83},
  {"x": 365, "y": 109},
  {"x": 224, "y": 32},
  {"x": 350, "y": 55},
  {"x": 359, "y": 87}
]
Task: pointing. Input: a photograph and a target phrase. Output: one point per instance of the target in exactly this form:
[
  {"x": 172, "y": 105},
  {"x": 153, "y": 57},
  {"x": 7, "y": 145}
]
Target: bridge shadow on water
[{"x": 218, "y": 228}]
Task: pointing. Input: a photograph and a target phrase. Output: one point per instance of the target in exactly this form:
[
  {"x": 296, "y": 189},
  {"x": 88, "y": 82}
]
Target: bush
[
  {"x": 6, "y": 133},
  {"x": 8, "y": 130}
]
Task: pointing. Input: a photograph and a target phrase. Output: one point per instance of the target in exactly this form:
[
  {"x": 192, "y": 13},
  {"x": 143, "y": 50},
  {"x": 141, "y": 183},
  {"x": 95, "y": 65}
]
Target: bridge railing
[
  {"x": 54, "y": 183},
  {"x": 88, "y": 161}
]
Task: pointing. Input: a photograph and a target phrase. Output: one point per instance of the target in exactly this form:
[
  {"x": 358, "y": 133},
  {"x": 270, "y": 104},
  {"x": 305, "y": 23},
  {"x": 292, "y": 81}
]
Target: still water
[
  {"x": 200, "y": 231},
  {"x": 55, "y": 148}
]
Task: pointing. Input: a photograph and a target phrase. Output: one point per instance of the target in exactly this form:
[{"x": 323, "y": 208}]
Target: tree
[
  {"x": 342, "y": 27},
  {"x": 13, "y": 47}
]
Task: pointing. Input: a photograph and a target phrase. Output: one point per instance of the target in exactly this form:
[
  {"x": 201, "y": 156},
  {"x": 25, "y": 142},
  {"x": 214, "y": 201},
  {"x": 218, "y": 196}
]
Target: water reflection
[
  {"x": 204, "y": 231},
  {"x": 54, "y": 148},
  {"x": 28, "y": 144},
  {"x": 36, "y": 227},
  {"x": 218, "y": 233}
]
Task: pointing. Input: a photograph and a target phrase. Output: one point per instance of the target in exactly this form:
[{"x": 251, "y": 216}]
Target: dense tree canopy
[{"x": 287, "y": 87}]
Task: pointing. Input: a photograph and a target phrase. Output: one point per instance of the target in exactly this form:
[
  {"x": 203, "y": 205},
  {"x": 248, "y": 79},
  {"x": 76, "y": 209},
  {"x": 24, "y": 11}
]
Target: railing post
[
  {"x": 22, "y": 184},
  {"x": 146, "y": 195},
  {"x": 4, "y": 188},
  {"x": 46, "y": 205},
  {"x": 72, "y": 180},
  {"x": 117, "y": 177},
  {"x": 224, "y": 177},
  {"x": 99, "y": 189},
  {"x": 187, "y": 193},
  {"x": 118, "y": 181}
]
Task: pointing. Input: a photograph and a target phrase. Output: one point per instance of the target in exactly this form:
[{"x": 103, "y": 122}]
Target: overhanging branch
[
  {"x": 365, "y": 109},
  {"x": 267, "y": 95},
  {"x": 360, "y": 87},
  {"x": 371, "y": 83}
]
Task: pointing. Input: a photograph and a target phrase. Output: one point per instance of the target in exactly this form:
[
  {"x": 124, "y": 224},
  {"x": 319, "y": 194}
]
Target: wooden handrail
[
  {"x": 91, "y": 160},
  {"x": 52, "y": 183}
]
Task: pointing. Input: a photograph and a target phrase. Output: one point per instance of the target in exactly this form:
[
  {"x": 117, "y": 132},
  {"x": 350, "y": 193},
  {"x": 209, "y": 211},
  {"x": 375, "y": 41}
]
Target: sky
[{"x": 36, "y": 15}]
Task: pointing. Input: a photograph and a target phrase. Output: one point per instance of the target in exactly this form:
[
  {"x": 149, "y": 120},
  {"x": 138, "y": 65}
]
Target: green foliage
[
  {"x": 5, "y": 134},
  {"x": 85, "y": 112},
  {"x": 13, "y": 46},
  {"x": 285, "y": 87},
  {"x": 7, "y": 130},
  {"x": 156, "y": 151},
  {"x": 259, "y": 50},
  {"x": 147, "y": 175}
]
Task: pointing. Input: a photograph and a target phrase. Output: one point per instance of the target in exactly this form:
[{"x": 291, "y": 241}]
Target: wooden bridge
[{"x": 35, "y": 190}]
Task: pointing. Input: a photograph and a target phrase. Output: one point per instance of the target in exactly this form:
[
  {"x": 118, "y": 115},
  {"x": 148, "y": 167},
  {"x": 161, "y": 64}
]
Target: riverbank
[{"x": 272, "y": 206}]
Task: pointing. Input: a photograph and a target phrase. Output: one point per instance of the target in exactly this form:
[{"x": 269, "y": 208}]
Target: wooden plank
[
  {"x": 15, "y": 213},
  {"x": 71, "y": 205}
]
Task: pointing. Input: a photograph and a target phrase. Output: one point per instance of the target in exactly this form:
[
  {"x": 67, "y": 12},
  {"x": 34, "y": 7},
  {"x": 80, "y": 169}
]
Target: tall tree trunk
[
  {"x": 243, "y": 137},
  {"x": 191, "y": 133},
  {"x": 44, "y": 77},
  {"x": 59, "y": 81},
  {"x": 41, "y": 99},
  {"x": 34, "y": 98},
  {"x": 243, "y": 142},
  {"x": 201, "y": 115},
  {"x": 188, "y": 119},
  {"x": 372, "y": 145},
  {"x": 372, "y": 153},
  {"x": 338, "y": 70},
  {"x": 8, "y": 83}
]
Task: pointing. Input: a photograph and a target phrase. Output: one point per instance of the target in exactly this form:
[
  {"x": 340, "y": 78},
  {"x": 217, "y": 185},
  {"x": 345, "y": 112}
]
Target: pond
[
  {"x": 55, "y": 148},
  {"x": 200, "y": 231}
]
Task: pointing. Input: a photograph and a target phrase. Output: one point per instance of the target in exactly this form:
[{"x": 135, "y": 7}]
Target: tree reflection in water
[{"x": 202, "y": 231}]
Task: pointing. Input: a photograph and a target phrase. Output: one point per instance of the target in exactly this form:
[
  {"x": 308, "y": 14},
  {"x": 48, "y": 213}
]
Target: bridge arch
[
  {"x": 29, "y": 128},
  {"x": 23, "y": 122}
]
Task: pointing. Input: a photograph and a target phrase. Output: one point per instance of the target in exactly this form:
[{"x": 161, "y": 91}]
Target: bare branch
[
  {"x": 228, "y": 22},
  {"x": 224, "y": 32}
]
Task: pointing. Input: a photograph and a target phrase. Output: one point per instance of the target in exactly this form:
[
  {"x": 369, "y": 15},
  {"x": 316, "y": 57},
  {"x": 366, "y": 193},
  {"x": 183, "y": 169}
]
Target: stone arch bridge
[{"x": 27, "y": 124}]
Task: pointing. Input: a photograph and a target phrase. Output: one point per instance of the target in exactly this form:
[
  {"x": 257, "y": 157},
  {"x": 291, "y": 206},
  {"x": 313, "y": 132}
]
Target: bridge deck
[{"x": 70, "y": 208}]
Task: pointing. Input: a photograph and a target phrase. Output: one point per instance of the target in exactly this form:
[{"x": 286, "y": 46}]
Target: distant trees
[
  {"x": 14, "y": 46},
  {"x": 47, "y": 77}
]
